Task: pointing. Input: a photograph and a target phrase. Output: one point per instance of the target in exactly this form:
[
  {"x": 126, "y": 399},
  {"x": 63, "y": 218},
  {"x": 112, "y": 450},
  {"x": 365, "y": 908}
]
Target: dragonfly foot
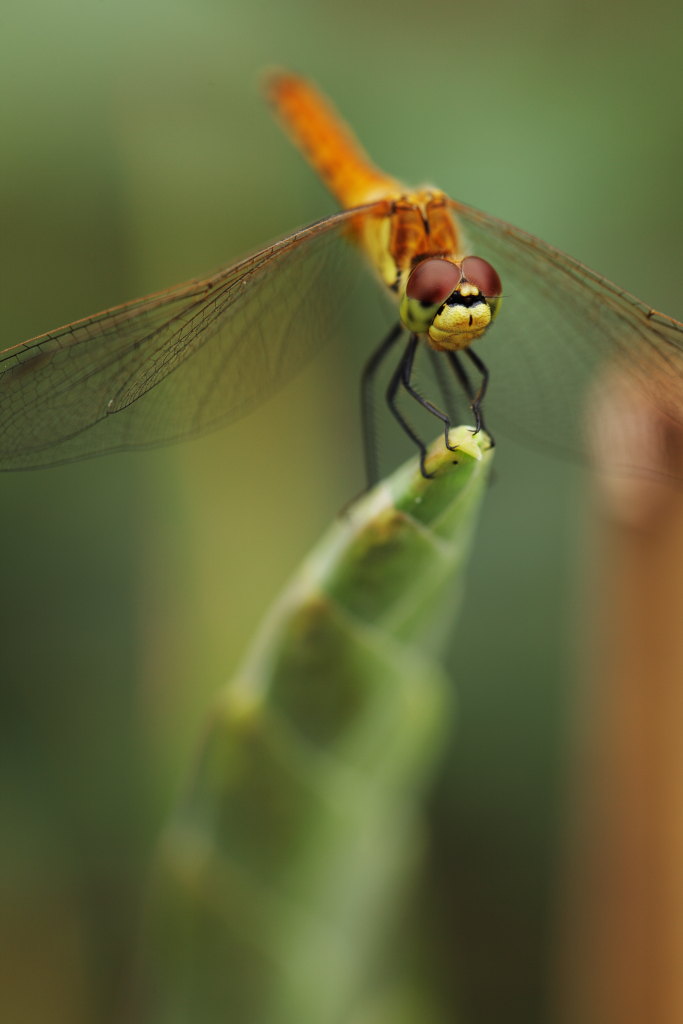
[
  {"x": 446, "y": 437},
  {"x": 423, "y": 469}
]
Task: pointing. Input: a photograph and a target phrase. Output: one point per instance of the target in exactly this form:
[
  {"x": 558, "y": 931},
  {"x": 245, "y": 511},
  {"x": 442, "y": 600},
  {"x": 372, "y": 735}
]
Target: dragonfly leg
[
  {"x": 474, "y": 397},
  {"x": 366, "y": 404},
  {"x": 407, "y": 366},
  {"x": 477, "y": 403},
  {"x": 444, "y": 384},
  {"x": 397, "y": 379}
]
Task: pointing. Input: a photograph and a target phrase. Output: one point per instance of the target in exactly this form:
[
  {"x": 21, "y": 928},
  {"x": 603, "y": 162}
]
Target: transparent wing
[
  {"x": 563, "y": 336},
  {"x": 109, "y": 382}
]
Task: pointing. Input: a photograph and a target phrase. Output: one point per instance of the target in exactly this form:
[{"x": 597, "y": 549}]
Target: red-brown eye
[
  {"x": 433, "y": 280},
  {"x": 480, "y": 273}
]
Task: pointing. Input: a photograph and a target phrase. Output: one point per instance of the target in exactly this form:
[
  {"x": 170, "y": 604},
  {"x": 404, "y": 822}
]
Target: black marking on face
[{"x": 456, "y": 299}]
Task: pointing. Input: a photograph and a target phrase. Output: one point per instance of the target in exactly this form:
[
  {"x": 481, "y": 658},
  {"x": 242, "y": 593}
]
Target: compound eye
[
  {"x": 433, "y": 280},
  {"x": 481, "y": 274}
]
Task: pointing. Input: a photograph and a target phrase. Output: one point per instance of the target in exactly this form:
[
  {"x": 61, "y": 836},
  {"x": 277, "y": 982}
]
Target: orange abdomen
[{"x": 327, "y": 143}]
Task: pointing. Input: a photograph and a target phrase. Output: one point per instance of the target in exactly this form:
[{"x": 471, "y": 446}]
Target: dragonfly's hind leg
[
  {"x": 398, "y": 378},
  {"x": 366, "y": 404}
]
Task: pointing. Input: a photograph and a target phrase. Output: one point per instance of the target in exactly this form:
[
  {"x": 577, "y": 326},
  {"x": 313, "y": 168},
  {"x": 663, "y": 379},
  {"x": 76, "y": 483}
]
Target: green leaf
[{"x": 281, "y": 872}]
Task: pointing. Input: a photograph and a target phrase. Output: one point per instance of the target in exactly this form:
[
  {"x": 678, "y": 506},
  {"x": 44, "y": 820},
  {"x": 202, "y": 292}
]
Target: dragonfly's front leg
[
  {"x": 406, "y": 380},
  {"x": 475, "y": 398}
]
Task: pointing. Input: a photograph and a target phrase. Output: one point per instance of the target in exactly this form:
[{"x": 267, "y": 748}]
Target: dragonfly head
[{"x": 452, "y": 301}]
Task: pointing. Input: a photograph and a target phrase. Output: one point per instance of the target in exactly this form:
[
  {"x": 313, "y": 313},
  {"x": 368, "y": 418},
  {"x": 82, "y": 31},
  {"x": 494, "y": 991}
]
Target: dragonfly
[{"x": 558, "y": 337}]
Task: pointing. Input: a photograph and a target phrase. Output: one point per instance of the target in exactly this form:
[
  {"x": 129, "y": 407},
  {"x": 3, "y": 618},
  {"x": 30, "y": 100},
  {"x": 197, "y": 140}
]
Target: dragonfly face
[{"x": 452, "y": 302}]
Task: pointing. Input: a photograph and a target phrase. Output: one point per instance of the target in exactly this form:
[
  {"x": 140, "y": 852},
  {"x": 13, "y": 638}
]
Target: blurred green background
[{"x": 137, "y": 152}]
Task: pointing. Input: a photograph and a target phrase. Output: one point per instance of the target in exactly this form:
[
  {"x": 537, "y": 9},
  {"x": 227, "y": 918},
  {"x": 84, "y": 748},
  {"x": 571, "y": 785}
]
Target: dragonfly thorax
[{"x": 452, "y": 301}]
